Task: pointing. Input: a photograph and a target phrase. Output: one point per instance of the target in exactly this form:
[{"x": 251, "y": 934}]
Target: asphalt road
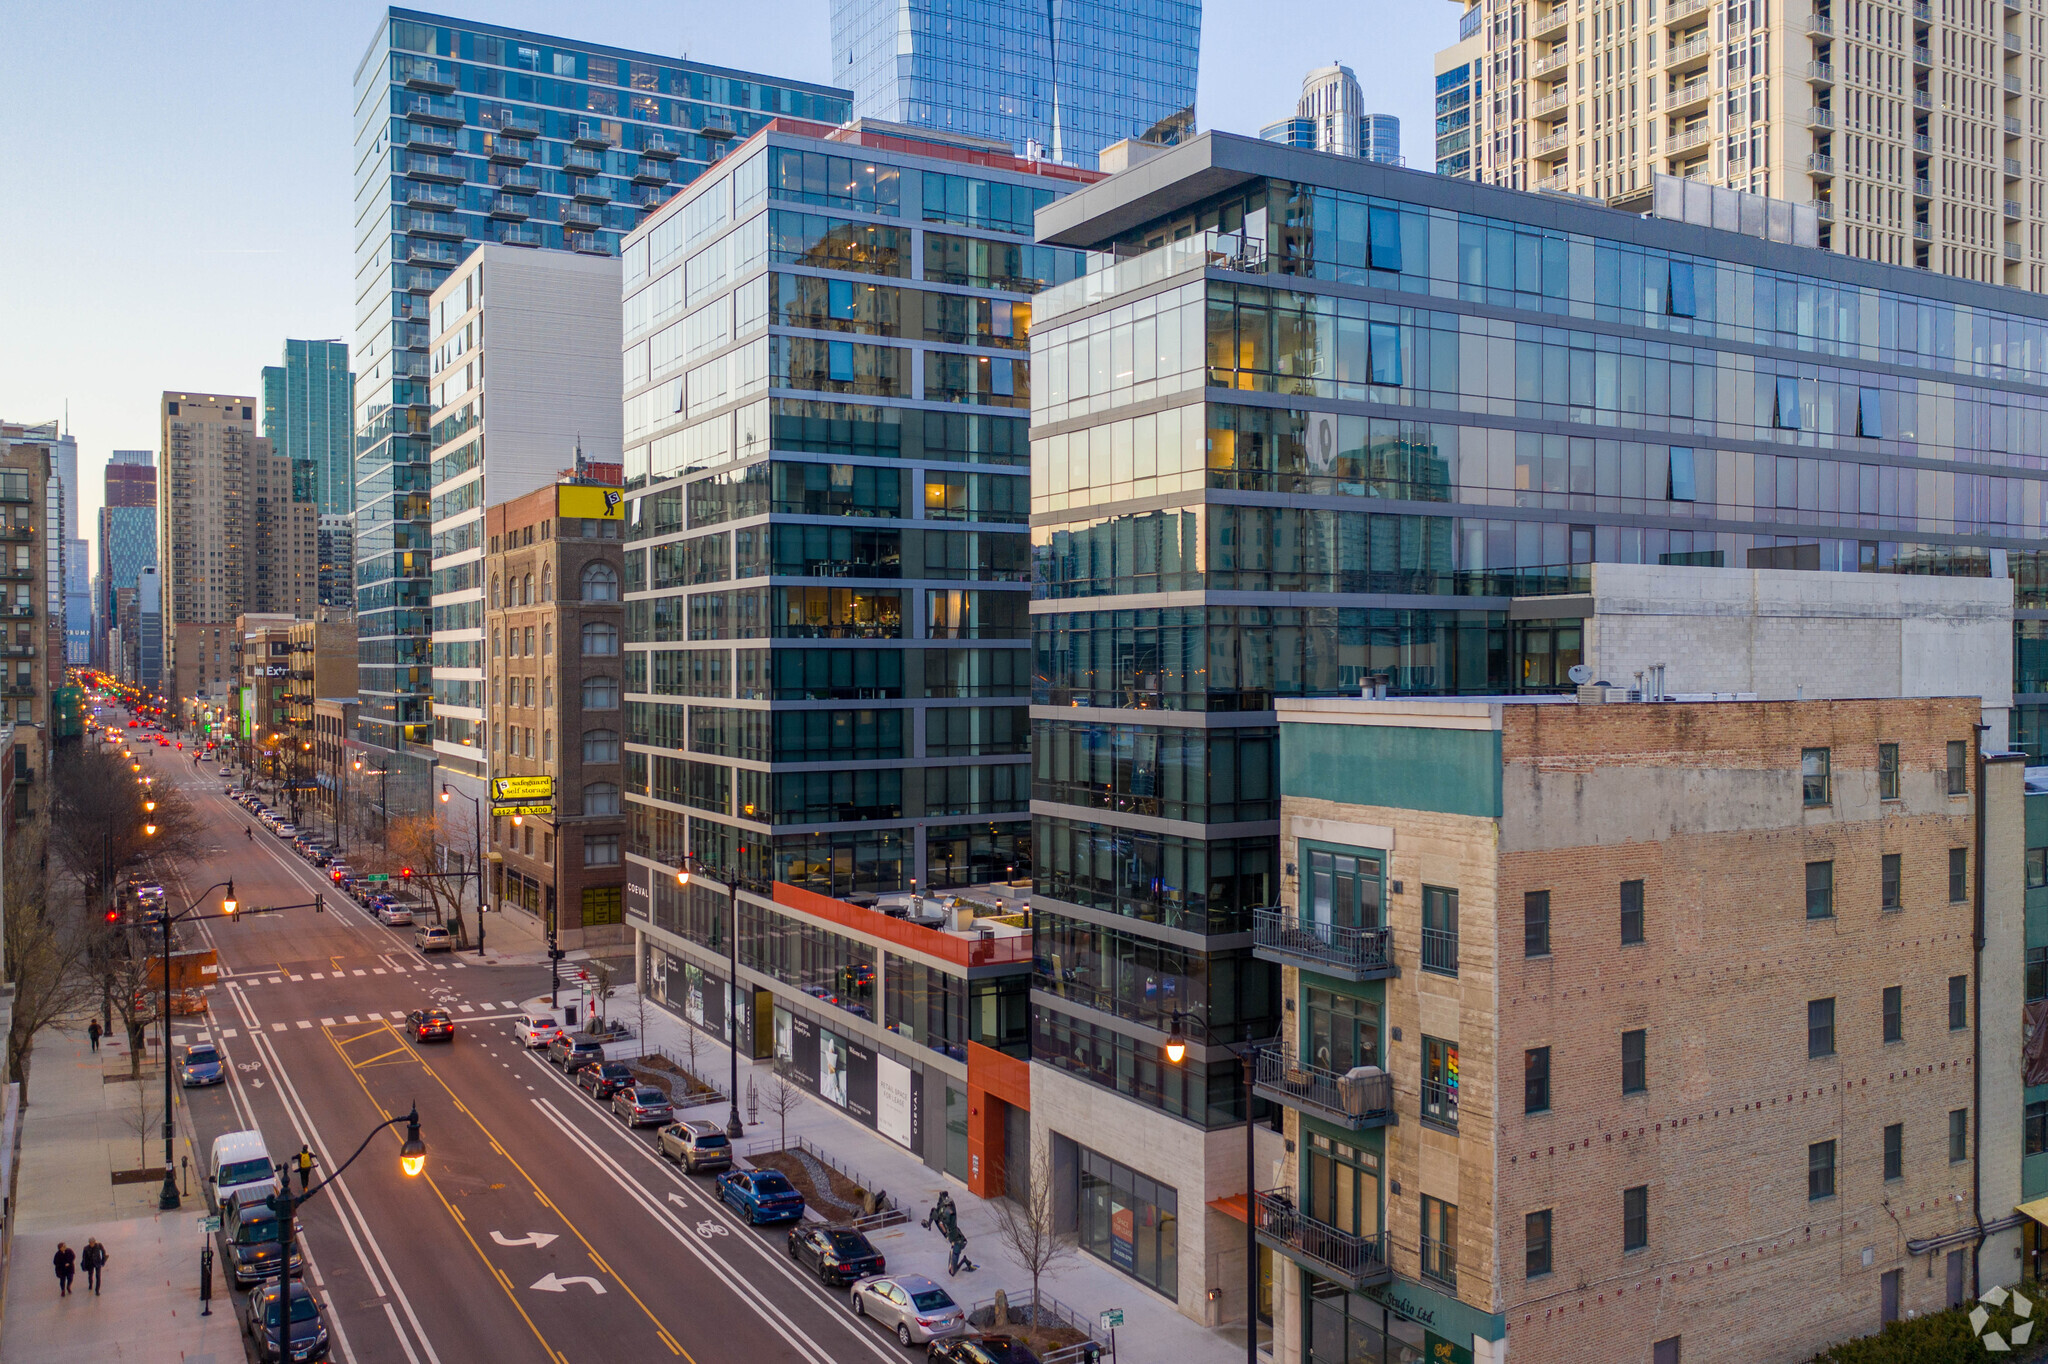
[{"x": 541, "y": 1229}]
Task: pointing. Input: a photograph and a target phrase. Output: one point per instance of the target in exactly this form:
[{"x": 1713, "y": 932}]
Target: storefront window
[
  {"x": 1131, "y": 1221},
  {"x": 925, "y": 1004},
  {"x": 1344, "y": 1329}
]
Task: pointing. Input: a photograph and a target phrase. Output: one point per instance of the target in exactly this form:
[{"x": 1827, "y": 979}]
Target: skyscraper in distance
[
  {"x": 307, "y": 419},
  {"x": 1331, "y": 117},
  {"x": 1068, "y": 76}
]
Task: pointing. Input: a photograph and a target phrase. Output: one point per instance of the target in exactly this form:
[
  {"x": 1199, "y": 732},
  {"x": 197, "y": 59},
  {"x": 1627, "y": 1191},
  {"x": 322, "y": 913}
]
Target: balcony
[
  {"x": 1689, "y": 96},
  {"x": 1550, "y": 22},
  {"x": 418, "y": 73},
  {"x": 2012, "y": 251},
  {"x": 1923, "y": 99},
  {"x": 646, "y": 198},
  {"x": 2012, "y": 45},
  {"x": 2012, "y": 126},
  {"x": 1551, "y": 61},
  {"x": 1923, "y": 56},
  {"x": 1279, "y": 935},
  {"x": 1555, "y": 144},
  {"x": 519, "y": 234},
  {"x": 1357, "y": 1104},
  {"x": 1821, "y": 73},
  {"x": 576, "y": 216},
  {"x": 1824, "y": 209},
  {"x": 660, "y": 148},
  {"x": 1356, "y": 1262},
  {"x": 431, "y": 196},
  {"x": 2012, "y": 168},
  {"x": 1923, "y": 232},
  {"x": 510, "y": 151},
  {"x": 1551, "y": 103},
  {"x": 1923, "y": 12},
  {"x": 435, "y": 225},
  {"x": 1923, "y": 188},
  {"x": 423, "y": 166},
  {"x": 1820, "y": 163},
  {"x": 1820, "y": 26},
  {"x": 435, "y": 109},
  {"x": 510, "y": 208},
  {"x": 431, "y": 253},
  {"x": 586, "y": 243},
  {"x": 582, "y": 162},
  {"x": 18, "y": 690},
  {"x": 594, "y": 137},
  {"x": 2012, "y": 210},
  {"x": 421, "y": 138},
  {"x": 1681, "y": 10},
  {"x": 1922, "y": 143},
  {"x": 2013, "y": 87},
  {"x": 17, "y": 573},
  {"x": 519, "y": 182},
  {"x": 1685, "y": 140},
  {"x": 17, "y": 532},
  {"x": 717, "y": 128},
  {"x": 1687, "y": 52},
  {"x": 1820, "y": 118},
  {"x": 655, "y": 172},
  {"x": 588, "y": 190},
  {"x": 20, "y": 610},
  {"x": 17, "y": 651}
]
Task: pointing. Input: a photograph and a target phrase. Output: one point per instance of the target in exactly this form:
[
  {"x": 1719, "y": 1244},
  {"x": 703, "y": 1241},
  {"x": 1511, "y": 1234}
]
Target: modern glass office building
[
  {"x": 827, "y": 591},
  {"x": 307, "y": 418},
  {"x": 1319, "y": 422},
  {"x": 1066, "y": 76},
  {"x": 468, "y": 133}
]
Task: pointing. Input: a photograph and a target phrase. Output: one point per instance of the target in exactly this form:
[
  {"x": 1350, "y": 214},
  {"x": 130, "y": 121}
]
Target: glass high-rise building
[
  {"x": 307, "y": 418},
  {"x": 1330, "y": 117},
  {"x": 469, "y": 133},
  {"x": 1068, "y": 76}
]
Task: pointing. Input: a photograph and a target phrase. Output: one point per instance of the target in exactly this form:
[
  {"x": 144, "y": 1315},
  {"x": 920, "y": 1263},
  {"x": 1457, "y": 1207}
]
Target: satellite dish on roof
[{"x": 1580, "y": 674}]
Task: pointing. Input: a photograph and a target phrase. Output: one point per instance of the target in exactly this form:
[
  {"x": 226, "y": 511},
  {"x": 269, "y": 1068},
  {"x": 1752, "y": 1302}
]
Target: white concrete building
[{"x": 552, "y": 321}]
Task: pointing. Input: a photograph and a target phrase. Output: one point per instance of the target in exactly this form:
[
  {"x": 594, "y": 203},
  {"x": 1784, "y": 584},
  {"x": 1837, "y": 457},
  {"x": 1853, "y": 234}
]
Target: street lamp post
[
  {"x": 168, "y": 1199},
  {"x": 694, "y": 865},
  {"x": 476, "y": 826},
  {"x": 1176, "y": 1051},
  {"x": 412, "y": 1158}
]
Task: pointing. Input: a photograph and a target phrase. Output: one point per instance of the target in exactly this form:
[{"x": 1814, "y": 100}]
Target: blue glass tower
[
  {"x": 469, "y": 133},
  {"x": 1072, "y": 76},
  {"x": 306, "y": 418}
]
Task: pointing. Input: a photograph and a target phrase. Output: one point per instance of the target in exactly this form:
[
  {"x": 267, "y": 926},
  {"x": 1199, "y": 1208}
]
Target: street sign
[
  {"x": 1112, "y": 1317},
  {"x": 209, "y": 1223},
  {"x": 544, "y": 808},
  {"x": 517, "y": 790},
  {"x": 375, "y": 876}
]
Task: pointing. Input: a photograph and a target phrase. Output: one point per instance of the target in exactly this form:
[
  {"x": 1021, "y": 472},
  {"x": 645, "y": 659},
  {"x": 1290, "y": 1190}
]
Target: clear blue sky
[{"x": 178, "y": 175}]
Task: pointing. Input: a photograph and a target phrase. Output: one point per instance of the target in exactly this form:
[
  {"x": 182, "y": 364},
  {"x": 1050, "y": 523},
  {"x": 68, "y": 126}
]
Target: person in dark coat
[
  {"x": 92, "y": 1034},
  {"x": 92, "y": 1260},
  {"x": 66, "y": 1263}
]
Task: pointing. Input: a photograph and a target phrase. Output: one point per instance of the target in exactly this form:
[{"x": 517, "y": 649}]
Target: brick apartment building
[
  {"x": 1651, "y": 1024},
  {"x": 554, "y": 567}
]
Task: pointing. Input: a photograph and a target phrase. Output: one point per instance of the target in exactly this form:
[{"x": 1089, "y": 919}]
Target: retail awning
[
  {"x": 2038, "y": 1210},
  {"x": 1233, "y": 1206}
]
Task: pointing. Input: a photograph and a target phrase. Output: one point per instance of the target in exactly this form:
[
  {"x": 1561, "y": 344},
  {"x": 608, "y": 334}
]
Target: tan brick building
[
  {"x": 1644, "y": 1024},
  {"x": 554, "y": 567}
]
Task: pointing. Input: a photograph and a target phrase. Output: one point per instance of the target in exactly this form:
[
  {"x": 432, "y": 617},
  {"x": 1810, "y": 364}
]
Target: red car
[{"x": 430, "y": 1025}]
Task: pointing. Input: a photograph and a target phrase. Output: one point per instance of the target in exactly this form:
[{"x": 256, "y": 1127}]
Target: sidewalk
[
  {"x": 76, "y": 1131},
  {"x": 1152, "y": 1330}
]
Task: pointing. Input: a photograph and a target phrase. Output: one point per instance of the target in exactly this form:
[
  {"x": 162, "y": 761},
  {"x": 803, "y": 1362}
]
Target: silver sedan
[{"x": 916, "y": 1308}]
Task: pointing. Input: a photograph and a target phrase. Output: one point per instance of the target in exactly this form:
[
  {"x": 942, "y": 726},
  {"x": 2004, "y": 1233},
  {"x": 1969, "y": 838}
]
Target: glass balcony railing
[
  {"x": 1357, "y": 1099},
  {"x": 1279, "y": 934},
  {"x": 1346, "y": 1258}
]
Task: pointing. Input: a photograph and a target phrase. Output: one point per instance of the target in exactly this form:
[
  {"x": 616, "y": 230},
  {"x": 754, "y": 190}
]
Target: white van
[{"x": 240, "y": 1161}]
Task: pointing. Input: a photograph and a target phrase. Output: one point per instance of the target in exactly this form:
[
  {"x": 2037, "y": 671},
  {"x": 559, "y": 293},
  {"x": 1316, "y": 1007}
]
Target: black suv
[
  {"x": 602, "y": 1081},
  {"x": 573, "y": 1053}
]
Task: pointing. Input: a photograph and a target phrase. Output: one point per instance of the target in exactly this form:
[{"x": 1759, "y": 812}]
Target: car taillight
[{"x": 881, "y": 1264}]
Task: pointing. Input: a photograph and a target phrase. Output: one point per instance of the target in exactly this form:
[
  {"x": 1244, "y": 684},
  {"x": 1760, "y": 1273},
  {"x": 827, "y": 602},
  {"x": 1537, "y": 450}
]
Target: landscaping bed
[{"x": 834, "y": 1195}]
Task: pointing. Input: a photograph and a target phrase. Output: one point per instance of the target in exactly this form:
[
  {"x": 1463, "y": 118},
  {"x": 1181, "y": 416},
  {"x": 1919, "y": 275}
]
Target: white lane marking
[
  {"x": 177, "y": 1039},
  {"x": 277, "y": 1027},
  {"x": 536, "y": 1239},
  {"x": 465, "y": 1008},
  {"x": 375, "y": 1017},
  {"x": 316, "y": 975},
  {"x": 375, "y": 971},
  {"x": 274, "y": 980},
  {"x": 227, "y": 1032},
  {"x": 326, "y": 1022},
  {"x": 305, "y": 1023},
  {"x": 297, "y": 978},
  {"x": 358, "y": 973},
  {"x": 349, "y": 1018},
  {"x": 392, "y": 1312}
]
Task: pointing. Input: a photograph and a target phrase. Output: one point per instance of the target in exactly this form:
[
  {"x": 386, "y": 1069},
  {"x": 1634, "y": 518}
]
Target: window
[
  {"x": 1384, "y": 361},
  {"x": 1958, "y": 1003},
  {"x": 601, "y": 746},
  {"x": 1887, "y": 771},
  {"x": 1665, "y": 1351},
  {"x": 1820, "y": 1028},
  {"x": 600, "y": 640},
  {"x": 2037, "y": 973},
  {"x": 1959, "y": 873},
  {"x": 1894, "y": 1014},
  {"x": 1888, "y": 880},
  {"x": 1820, "y": 1171},
  {"x": 1440, "y": 930},
  {"x": 1869, "y": 414},
  {"x": 1440, "y": 1082},
  {"x": 1684, "y": 486},
  {"x": 1536, "y": 923},
  {"x": 1895, "y": 1151},
  {"x": 1635, "y": 1061},
  {"x": 495, "y": 580},
  {"x": 1536, "y": 1080},
  {"x": 1631, "y": 912},
  {"x": 600, "y": 693},
  {"x": 1635, "y": 1218},
  {"x": 600, "y": 582},
  {"x": 547, "y": 584},
  {"x": 1344, "y": 890},
  {"x": 1343, "y": 1031},
  {"x": 1786, "y": 418},
  {"x": 1958, "y": 767},
  {"x": 1680, "y": 300},
  {"x": 1342, "y": 1187},
  {"x": 1813, "y": 776},
  {"x": 1820, "y": 890},
  {"x": 601, "y": 798},
  {"x": 1383, "y": 238},
  {"x": 1958, "y": 1135},
  {"x": 2036, "y": 1129},
  {"x": 2037, "y": 870},
  {"x": 600, "y": 850},
  {"x": 1439, "y": 1240},
  {"x": 1536, "y": 1243}
]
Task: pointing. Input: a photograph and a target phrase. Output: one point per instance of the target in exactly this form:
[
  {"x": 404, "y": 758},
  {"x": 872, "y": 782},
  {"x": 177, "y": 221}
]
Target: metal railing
[
  {"x": 1923, "y": 187},
  {"x": 1556, "y": 100},
  {"x": 1356, "y": 949},
  {"x": 1824, "y": 209},
  {"x": 578, "y": 160},
  {"x": 2012, "y": 250},
  {"x": 1440, "y": 950},
  {"x": 1555, "y": 142},
  {"x": 1355, "y": 1100},
  {"x": 1923, "y": 56},
  {"x": 1553, "y": 20},
  {"x": 2012, "y": 208},
  {"x": 1551, "y": 61},
  {"x": 1683, "y": 10},
  {"x": 1923, "y": 232},
  {"x": 1690, "y": 92},
  {"x": 1820, "y": 163},
  {"x": 1687, "y": 50},
  {"x": 1822, "y": 72},
  {"x": 1351, "y": 1258},
  {"x": 2012, "y": 167},
  {"x": 1821, "y": 25},
  {"x": 1820, "y": 118},
  {"x": 2012, "y": 126}
]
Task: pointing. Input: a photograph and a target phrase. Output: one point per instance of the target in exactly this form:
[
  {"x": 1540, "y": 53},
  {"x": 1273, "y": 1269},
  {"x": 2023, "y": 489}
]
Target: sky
[{"x": 179, "y": 175}]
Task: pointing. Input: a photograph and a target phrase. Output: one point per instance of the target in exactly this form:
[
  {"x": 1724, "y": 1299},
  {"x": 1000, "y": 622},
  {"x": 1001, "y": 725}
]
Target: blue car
[
  {"x": 202, "y": 1066},
  {"x": 761, "y": 1196}
]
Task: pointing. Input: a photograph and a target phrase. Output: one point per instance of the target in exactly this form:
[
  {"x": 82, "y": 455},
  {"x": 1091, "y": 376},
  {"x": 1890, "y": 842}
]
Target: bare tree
[
  {"x": 693, "y": 1051},
  {"x": 98, "y": 827},
  {"x": 145, "y": 1118},
  {"x": 782, "y": 1099},
  {"x": 603, "y": 983},
  {"x": 124, "y": 969},
  {"x": 413, "y": 846},
  {"x": 45, "y": 951},
  {"x": 1030, "y": 1227}
]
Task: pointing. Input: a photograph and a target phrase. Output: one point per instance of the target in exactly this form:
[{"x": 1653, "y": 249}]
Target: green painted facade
[{"x": 1449, "y": 771}]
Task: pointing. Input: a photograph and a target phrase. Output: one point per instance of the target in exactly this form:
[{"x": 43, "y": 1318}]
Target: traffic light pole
[{"x": 167, "y": 1200}]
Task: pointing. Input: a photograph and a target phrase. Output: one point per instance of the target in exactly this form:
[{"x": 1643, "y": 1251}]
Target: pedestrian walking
[
  {"x": 92, "y": 1035},
  {"x": 249, "y": 834},
  {"x": 66, "y": 1263},
  {"x": 303, "y": 1162},
  {"x": 92, "y": 1261}
]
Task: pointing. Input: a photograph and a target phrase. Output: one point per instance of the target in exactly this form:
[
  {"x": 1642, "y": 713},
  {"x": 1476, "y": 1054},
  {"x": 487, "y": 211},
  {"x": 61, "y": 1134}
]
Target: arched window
[
  {"x": 494, "y": 591},
  {"x": 600, "y": 693},
  {"x": 600, "y": 745},
  {"x": 547, "y": 638},
  {"x": 600, "y": 582},
  {"x": 600, "y": 640},
  {"x": 601, "y": 798},
  {"x": 526, "y": 590},
  {"x": 547, "y": 584}
]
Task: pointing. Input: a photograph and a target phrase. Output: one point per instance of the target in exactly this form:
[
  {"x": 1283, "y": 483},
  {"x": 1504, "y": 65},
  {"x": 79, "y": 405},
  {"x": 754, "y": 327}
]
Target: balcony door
[
  {"x": 1342, "y": 1189},
  {"x": 1344, "y": 891},
  {"x": 1343, "y": 1032}
]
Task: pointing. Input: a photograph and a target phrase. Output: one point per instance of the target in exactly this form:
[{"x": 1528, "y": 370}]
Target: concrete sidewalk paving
[
  {"x": 78, "y": 1129},
  {"x": 1152, "y": 1330}
]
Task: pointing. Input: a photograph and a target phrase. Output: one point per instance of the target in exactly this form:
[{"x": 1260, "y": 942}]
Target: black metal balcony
[
  {"x": 1282, "y": 936},
  {"x": 1353, "y": 1101},
  {"x": 1345, "y": 1258}
]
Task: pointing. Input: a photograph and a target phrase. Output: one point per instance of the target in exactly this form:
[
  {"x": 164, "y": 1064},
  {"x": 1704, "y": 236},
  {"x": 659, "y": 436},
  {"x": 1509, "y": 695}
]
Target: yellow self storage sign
[
  {"x": 520, "y": 790},
  {"x": 591, "y": 503}
]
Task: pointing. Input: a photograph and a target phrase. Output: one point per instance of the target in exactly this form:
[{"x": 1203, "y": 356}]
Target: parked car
[
  {"x": 537, "y": 1030},
  {"x": 699, "y": 1147},
  {"x": 341, "y": 873},
  {"x": 433, "y": 938},
  {"x": 430, "y": 1025},
  {"x": 912, "y": 1306},
  {"x": 202, "y": 1066},
  {"x": 397, "y": 916},
  {"x": 248, "y": 1232},
  {"x": 285, "y": 1327},
  {"x": 572, "y": 1053},
  {"x": 761, "y": 1196},
  {"x": 284, "y": 828},
  {"x": 981, "y": 1350},
  {"x": 839, "y": 1254},
  {"x": 602, "y": 1081},
  {"x": 640, "y": 1105}
]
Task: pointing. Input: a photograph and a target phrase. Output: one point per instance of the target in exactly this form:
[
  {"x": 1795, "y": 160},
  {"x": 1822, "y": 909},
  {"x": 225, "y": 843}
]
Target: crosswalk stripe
[
  {"x": 226, "y": 1033},
  {"x": 360, "y": 972},
  {"x": 378, "y": 971},
  {"x": 350, "y": 1018},
  {"x": 439, "y": 967},
  {"x": 277, "y": 1027},
  {"x": 509, "y": 1004},
  {"x": 326, "y": 1022},
  {"x": 275, "y": 981},
  {"x": 305, "y": 1023},
  {"x": 204, "y": 1036},
  {"x": 316, "y": 975},
  {"x": 298, "y": 978},
  {"x": 374, "y": 1017},
  {"x": 177, "y": 1039},
  {"x": 465, "y": 1008}
]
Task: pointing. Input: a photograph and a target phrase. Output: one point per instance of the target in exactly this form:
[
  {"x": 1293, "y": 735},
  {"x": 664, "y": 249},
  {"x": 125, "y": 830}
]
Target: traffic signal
[
  {"x": 405, "y": 873},
  {"x": 113, "y": 916}
]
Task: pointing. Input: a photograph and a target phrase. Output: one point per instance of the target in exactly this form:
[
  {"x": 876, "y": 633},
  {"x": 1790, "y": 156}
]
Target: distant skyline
[{"x": 202, "y": 219}]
